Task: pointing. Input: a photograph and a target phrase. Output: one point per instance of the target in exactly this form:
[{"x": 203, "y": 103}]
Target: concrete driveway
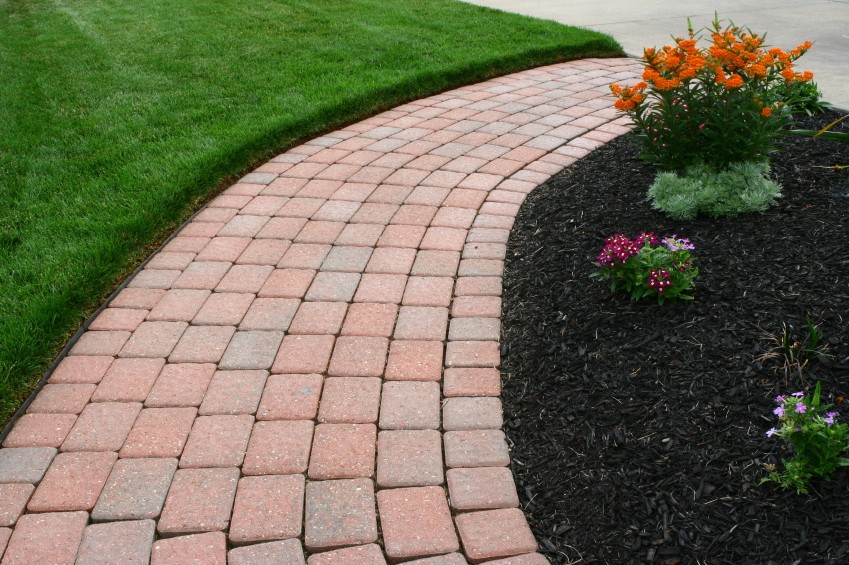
[{"x": 652, "y": 22}]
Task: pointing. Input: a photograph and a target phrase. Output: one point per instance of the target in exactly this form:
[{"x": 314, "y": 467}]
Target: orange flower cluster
[{"x": 628, "y": 98}]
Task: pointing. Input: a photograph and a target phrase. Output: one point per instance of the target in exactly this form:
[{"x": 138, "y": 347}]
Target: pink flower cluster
[
  {"x": 659, "y": 280},
  {"x": 618, "y": 248}
]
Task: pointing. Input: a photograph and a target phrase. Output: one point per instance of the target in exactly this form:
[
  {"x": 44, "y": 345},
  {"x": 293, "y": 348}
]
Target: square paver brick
[
  {"x": 13, "y": 501},
  {"x": 350, "y": 400},
  {"x": 267, "y": 508},
  {"x": 287, "y": 283},
  {"x": 73, "y": 482},
  {"x": 117, "y": 319},
  {"x": 100, "y": 343},
  {"x": 143, "y": 298},
  {"x": 409, "y": 405},
  {"x": 370, "y": 319},
  {"x": 403, "y": 236},
  {"x": 251, "y": 350},
  {"x": 81, "y": 369},
  {"x": 303, "y": 354},
  {"x": 25, "y": 464},
  {"x": 391, "y": 260},
  {"x": 421, "y": 323},
  {"x": 199, "y": 500},
  {"x": 381, "y": 288},
  {"x": 198, "y": 549},
  {"x": 414, "y": 214},
  {"x": 304, "y": 256},
  {"x": 233, "y": 392},
  {"x": 202, "y": 275},
  {"x": 414, "y": 361},
  {"x": 478, "y": 286},
  {"x": 476, "y": 448},
  {"x": 117, "y": 542},
  {"x": 226, "y": 249},
  {"x": 181, "y": 384},
  {"x": 481, "y": 413},
  {"x": 495, "y": 251},
  {"x": 320, "y": 232},
  {"x": 476, "y": 306},
  {"x": 474, "y": 329},
  {"x": 347, "y": 259},
  {"x": 444, "y": 239},
  {"x": 495, "y": 533},
  {"x": 244, "y": 278},
  {"x": 223, "y": 309},
  {"x": 154, "y": 339},
  {"x": 282, "y": 228},
  {"x": 465, "y": 198},
  {"x": 135, "y": 490},
  {"x": 46, "y": 538},
  {"x": 270, "y": 314},
  {"x": 428, "y": 291},
  {"x": 202, "y": 344},
  {"x": 128, "y": 380},
  {"x": 62, "y": 399},
  {"x": 487, "y": 235},
  {"x": 264, "y": 206},
  {"x": 482, "y": 488},
  {"x": 318, "y": 318},
  {"x": 263, "y": 252},
  {"x": 290, "y": 397},
  {"x": 472, "y": 354},
  {"x": 471, "y": 382},
  {"x": 339, "y": 513},
  {"x": 432, "y": 263},
  {"x": 336, "y": 211},
  {"x": 217, "y": 441},
  {"x": 40, "y": 430},
  {"x": 343, "y": 451},
  {"x": 280, "y": 447},
  {"x": 242, "y": 226},
  {"x": 416, "y": 522},
  {"x": 407, "y": 458},
  {"x": 360, "y": 235},
  {"x": 194, "y": 244},
  {"x": 102, "y": 427},
  {"x": 356, "y": 356},
  {"x": 159, "y": 432},
  {"x": 374, "y": 213},
  {"x": 178, "y": 305},
  {"x": 154, "y": 278},
  {"x": 427, "y": 195},
  {"x": 333, "y": 287},
  {"x": 390, "y": 194},
  {"x": 287, "y": 551}
]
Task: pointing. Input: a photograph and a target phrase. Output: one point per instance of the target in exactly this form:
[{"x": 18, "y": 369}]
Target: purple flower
[
  {"x": 674, "y": 244},
  {"x": 779, "y": 411},
  {"x": 829, "y": 418},
  {"x": 780, "y": 398},
  {"x": 798, "y": 394},
  {"x": 800, "y": 408},
  {"x": 771, "y": 432}
]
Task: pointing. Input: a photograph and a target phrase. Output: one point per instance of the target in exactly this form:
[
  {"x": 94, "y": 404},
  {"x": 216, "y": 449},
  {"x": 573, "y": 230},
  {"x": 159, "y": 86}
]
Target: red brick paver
[{"x": 327, "y": 325}]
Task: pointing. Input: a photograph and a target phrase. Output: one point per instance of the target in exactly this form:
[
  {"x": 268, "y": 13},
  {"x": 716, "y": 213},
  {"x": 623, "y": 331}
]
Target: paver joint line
[{"x": 327, "y": 326}]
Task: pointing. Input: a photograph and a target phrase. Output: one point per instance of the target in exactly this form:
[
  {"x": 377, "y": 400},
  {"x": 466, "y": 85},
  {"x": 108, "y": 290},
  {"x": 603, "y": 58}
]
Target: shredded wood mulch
[{"x": 638, "y": 431}]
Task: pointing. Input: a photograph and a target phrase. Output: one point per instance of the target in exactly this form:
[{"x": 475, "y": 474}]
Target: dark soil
[{"x": 637, "y": 430}]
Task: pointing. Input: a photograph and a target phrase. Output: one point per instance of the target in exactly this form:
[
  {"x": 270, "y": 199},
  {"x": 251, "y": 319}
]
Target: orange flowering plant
[{"x": 714, "y": 105}]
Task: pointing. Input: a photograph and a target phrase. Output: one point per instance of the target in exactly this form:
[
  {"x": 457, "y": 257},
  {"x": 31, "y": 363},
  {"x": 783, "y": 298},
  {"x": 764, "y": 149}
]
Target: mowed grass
[{"x": 118, "y": 119}]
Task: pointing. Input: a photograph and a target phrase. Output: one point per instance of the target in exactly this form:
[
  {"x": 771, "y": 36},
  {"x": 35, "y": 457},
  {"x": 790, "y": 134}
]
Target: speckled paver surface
[{"x": 308, "y": 371}]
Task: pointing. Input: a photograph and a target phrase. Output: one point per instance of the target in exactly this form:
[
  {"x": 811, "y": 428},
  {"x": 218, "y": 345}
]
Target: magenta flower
[{"x": 800, "y": 408}]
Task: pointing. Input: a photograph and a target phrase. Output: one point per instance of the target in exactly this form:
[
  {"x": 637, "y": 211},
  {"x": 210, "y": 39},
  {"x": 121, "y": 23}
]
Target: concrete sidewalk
[{"x": 652, "y": 22}]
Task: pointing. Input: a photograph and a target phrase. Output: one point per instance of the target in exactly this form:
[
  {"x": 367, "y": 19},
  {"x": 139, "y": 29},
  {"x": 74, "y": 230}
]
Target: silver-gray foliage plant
[{"x": 703, "y": 190}]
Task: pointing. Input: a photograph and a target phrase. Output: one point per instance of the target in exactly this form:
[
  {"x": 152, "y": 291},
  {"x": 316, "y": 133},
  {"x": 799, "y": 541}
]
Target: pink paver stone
[
  {"x": 81, "y": 369},
  {"x": 370, "y": 554},
  {"x": 409, "y": 405},
  {"x": 472, "y": 354},
  {"x": 447, "y": 559},
  {"x": 202, "y": 275},
  {"x": 381, "y": 288},
  {"x": 409, "y": 458},
  {"x": 46, "y": 538},
  {"x": 482, "y": 488},
  {"x": 223, "y": 309},
  {"x": 476, "y": 448},
  {"x": 416, "y": 522},
  {"x": 303, "y": 354},
  {"x": 428, "y": 291},
  {"x": 202, "y": 344},
  {"x": 199, "y": 549},
  {"x": 100, "y": 343},
  {"x": 343, "y": 451},
  {"x": 102, "y": 427},
  {"x": 217, "y": 441},
  {"x": 62, "y": 399},
  {"x": 476, "y": 306},
  {"x": 287, "y": 283},
  {"x": 200, "y": 500},
  {"x": 117, "y": 542},
  {"x": 181, "y": 384},
  {"x": 318, "y": 318},
  {"x": 290, "y": 397},
  {"x": 339, "y": 513},
  {"x": 13, "y": 501},
  {"x": 267, "y": 508},
  {"x": 472, "y": 382},
  {"x": 355, "y": 356},
  {"x": 288, "y": 552},
  {"x": 270, "y": 314},
  {"x": 143, "y": 298},
  {"x": 350, "y": 400},
  {"x": 233, "y": 392},
  {"x": 414, "y": 361},
  {"x": 126, "y": 319},
  {"x": 524, "y": 559},
  {"x": 370, "y": 320},
  {"x": 495, "y": 533},
  {"x": 154, "y": 339},
  {"x": 135, "y": 490},
  {"x": 421, "y": 323},
  {"x": 280, "y": 447},
  {"x": 128, "y": 380},
  {"x": 25, "y": 464},
  {"x": 159, "y": 432},
  {"x": 5, "y": 534},
  {"x": 73, "y": 482},
  {"x": 466, "y": 413}
]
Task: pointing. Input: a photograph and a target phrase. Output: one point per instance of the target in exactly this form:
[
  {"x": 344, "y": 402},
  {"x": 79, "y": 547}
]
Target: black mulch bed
[{"x": 637, "y": 430}]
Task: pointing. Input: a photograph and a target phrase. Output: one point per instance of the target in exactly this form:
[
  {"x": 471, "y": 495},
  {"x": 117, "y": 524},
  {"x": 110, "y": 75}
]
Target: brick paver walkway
[{"x": 308, "y": 371}]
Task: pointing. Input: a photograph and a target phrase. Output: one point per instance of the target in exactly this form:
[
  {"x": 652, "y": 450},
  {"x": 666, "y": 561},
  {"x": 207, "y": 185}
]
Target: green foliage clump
[
  {"x": 800, "y": 97},
  {"x": 704, "y": 190}
]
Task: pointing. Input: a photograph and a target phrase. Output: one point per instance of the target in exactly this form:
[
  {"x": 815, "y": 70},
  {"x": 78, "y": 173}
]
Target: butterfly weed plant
[{"x": 701, "y": 109}]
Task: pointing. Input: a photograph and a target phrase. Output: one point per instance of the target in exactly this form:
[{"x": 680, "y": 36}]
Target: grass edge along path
[{"x": 117, "y": 121}]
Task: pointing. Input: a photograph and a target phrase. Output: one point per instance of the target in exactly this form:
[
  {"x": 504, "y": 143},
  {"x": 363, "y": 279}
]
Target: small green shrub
[
  {"x": 799, "y": 97},
  {"x": 704, "y": 190}
]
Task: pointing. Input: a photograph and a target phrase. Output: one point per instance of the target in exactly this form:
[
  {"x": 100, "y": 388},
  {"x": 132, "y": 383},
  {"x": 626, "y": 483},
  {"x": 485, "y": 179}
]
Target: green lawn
[{"x": 118, "y": 119}]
